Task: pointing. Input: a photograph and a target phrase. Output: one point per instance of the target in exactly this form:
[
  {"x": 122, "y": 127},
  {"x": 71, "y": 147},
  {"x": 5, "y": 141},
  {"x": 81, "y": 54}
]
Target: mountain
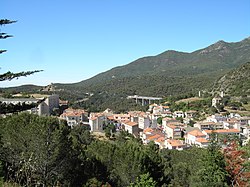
[
  {"x": 170, "y": 72},
  {"x": 235, "y": 82},
  {"x": 23, "y": 88}
]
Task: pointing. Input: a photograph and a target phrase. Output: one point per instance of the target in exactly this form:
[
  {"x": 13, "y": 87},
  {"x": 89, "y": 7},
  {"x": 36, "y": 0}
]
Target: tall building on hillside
[
  {"x": 45, "y": 108},
  {"x": 53, "y": 102}
]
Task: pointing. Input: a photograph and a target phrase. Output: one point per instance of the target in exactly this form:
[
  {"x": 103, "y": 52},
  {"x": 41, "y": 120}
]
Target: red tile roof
[
  {"x": 222, "y": 131},
  {"x": 130, "y": 123},
  {"x": 175, "y": 143},
  {"x": 202, "y": 140},
  {"x": 196, "y": 133}
]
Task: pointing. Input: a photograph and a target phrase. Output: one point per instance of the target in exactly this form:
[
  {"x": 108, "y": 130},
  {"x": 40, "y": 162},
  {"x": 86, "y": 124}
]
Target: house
[
  {"x": 216, "y": 101},
  {"x": 52, "y": 101},
  {"x": 167, "y": 114},
  {"x": 160, "y": 142},
  {"x": 179, "y": 114},
  {"x": 151, "y": 106},
  {"x": 167, "y": 120},
  {"x": 121, "y": 117},
  {"x": 245, "y": 120},
  {"x": 97, "y": 121},
  {"x": 146, "y": 121},
  {"x": 209, "y": 125},
  {"x": 174, "y": 130},
  {"x": 196, "y": 137},
  {"x": 74, "y": 116},
  {"x": 216, "y": 118},
  {"x": 131, "y": 127},
  {"x": 157, "y": 110},
  {"x": 134, "y": 115},
  {"x": 165, "y": 109},
  {"x": 245, "y": 132},
  {"x": 190, "y": 113},
  {"x": 150, "y": 134},
  {"x": 174, "y": 144},
  {"x": 230, "y": 132},
  {"x": 231, "y": 124}
]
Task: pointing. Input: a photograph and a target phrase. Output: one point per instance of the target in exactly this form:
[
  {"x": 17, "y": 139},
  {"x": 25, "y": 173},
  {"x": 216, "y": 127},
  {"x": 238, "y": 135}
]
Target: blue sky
[{"x": 75, "y": 40}]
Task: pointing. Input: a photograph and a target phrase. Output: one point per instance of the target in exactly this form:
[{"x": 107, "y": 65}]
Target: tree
[
  {"x": 144, "y": 180},
  {"x": 33, "y": 149},
  {"x": 212, "y": 172},
  {"x": 10, "y": 75},
  {"x": 235, "y": 165}
]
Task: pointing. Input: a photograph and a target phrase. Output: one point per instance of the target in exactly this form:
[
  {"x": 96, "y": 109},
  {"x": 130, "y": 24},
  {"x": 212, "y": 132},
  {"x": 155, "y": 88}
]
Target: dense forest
[{"x": 42, "y": 151}]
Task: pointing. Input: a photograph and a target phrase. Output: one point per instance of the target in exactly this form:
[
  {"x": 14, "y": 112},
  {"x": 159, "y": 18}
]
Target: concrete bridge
[{"x": 144, "y": 100}]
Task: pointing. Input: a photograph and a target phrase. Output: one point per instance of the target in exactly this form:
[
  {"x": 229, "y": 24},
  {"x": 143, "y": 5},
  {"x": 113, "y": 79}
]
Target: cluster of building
[
  {"x": 171, "y": 133},
  {"x": 44, "y": 105}
]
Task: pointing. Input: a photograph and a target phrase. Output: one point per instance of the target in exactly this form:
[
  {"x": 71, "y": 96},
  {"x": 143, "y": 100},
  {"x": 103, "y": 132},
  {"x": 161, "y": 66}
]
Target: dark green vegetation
[
  {"x": 40, "y": 150},
  {"x": 235, "y": 82},
  {"x": 169, "y": 73}
]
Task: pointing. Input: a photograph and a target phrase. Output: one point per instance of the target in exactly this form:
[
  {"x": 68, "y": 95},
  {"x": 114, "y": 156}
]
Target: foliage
[
  {"x": 31, "y": 146},
  {"x": 159, "y": 120},
  {"x": 9, "y": 75},
  {"x": 212, "y": 171},
  {"x": 144, "y": 180},
  {"x": 109, "y": 129},
  {"x": 234, "y": 157},
  {"x": 11, "y": 108},
  {"x": 236, "y": 82}
]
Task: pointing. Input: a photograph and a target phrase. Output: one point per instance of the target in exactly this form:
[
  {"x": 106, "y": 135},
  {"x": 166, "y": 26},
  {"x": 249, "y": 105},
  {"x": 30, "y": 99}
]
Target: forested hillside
[
  {"x": 235, "y": 82},
  {"x": 169, "y": 73}
]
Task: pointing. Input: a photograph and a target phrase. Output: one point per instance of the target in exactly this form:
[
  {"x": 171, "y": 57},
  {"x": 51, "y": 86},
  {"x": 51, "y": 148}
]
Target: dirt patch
[{"x": 188, "y": 100}]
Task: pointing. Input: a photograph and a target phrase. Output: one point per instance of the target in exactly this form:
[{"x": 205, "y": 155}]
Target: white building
[
  {"x": 53, "y": 102},
  {"x": 96, "y": 122},
  {"x": 74, "y": 116},
  {"x": 196, "y": 137},
  {"x": 131, "y": 127},
  {"x": 144, "y": 122},
  {"x": 179, "y": 114}
]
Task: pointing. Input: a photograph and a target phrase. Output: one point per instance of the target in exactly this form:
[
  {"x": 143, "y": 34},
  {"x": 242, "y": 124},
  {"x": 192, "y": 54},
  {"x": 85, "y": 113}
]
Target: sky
[{"x": 75, "y": 40}]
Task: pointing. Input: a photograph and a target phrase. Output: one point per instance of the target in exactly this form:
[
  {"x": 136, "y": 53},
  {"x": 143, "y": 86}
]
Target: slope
[{"x": 235, "y": 82}]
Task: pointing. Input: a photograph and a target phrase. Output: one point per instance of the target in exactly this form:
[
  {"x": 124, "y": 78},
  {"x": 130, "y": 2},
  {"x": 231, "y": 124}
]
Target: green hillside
[
  {"x": 169, "y": 73},
  {"x": 235, "y": 82}
]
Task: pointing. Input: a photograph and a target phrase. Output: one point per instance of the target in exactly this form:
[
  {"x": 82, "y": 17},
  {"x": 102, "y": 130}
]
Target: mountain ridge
[
  {"x": 168, "y": 73},
  {"x": 167, "y": 60}
]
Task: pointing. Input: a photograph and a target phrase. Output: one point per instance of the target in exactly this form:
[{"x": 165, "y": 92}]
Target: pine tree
[{"x": 10, "y": 75}]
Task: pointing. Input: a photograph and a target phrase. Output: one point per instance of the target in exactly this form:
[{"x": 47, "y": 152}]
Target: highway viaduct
[{"x": 144, "y": 100}]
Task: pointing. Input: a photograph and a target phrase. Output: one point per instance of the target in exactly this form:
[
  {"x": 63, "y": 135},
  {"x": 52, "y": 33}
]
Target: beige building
[
  {"x": 74, "y": 116},
  {"x": 174, "y": 144},
  {"x": 96, "y": 122},
  {"x": 131, "y": 127},
  {"x": 196, "y": 137},
  {"x": 209, "y": 125}
]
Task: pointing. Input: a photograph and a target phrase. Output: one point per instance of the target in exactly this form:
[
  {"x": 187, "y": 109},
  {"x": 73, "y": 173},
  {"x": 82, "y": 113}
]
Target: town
[{"x": 166, "y": 128}]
